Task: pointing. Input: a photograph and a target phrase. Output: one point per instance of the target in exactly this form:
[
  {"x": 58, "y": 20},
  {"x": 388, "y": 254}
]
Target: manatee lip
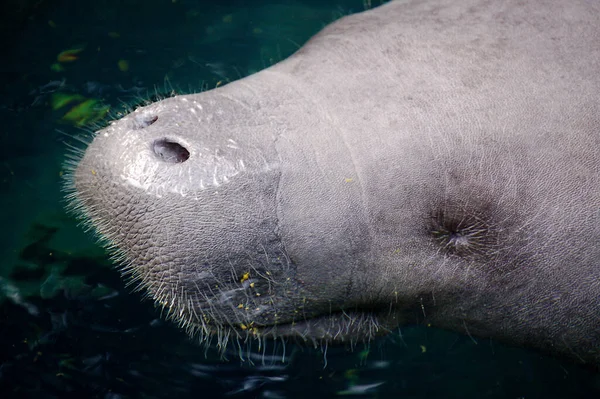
[
  {"x": 170, "y": 151},
  {"x": 338, "y": 326}
]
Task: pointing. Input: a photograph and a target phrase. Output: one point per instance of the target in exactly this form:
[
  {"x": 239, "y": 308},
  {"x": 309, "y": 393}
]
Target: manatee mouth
[
  {"x": 275, "y": 308},
  {"x": 340, "y": 326},
  {"x": 337, "y": 327}
]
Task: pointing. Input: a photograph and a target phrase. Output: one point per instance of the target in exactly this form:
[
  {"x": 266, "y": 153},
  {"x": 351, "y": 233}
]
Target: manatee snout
[{"x": 155, "y": 184}]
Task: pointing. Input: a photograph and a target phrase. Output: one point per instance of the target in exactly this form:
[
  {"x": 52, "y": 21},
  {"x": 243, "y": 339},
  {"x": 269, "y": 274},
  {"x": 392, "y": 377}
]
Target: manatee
[{"x": 427, "y": 161}]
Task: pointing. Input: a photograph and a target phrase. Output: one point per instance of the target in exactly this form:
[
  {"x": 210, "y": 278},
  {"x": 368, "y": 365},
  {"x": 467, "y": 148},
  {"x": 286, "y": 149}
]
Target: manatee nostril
[
  {"x": 170, "y": 151},
  {"x": 142, "y": 121}
]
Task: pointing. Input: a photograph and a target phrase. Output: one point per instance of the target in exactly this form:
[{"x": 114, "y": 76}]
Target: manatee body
[{"x": 423, "y": 162}]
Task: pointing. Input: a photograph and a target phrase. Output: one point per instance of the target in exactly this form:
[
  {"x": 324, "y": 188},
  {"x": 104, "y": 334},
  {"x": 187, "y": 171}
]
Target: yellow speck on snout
[{"x": 348, "y": 180}]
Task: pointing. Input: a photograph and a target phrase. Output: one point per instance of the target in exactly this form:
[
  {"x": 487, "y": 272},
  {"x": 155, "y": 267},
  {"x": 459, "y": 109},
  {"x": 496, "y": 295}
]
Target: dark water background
[{"x": 69, "y": 328}]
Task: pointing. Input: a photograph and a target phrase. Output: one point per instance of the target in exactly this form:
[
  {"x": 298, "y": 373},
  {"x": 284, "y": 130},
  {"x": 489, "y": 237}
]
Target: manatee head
[
  {"x": 422, "y": 161},
  {"x": 226, "y": 224}
]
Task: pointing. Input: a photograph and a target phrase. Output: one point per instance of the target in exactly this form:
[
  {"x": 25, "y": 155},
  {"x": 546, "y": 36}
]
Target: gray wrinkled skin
[{"x": 427, "y": 161}]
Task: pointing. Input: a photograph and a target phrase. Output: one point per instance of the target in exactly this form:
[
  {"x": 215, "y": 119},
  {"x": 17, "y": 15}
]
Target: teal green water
[{"x": 68, "y": 325}]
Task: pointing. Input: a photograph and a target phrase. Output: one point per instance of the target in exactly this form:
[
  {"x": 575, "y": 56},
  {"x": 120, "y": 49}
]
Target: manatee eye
[
  {"x": 170, "y": 151},
  {"x": 462, "y": 232}
]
